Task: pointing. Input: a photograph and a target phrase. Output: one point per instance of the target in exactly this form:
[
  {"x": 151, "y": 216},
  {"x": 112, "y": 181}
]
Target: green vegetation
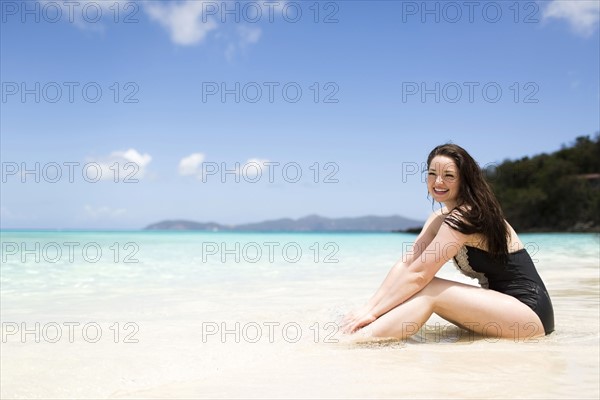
[{"x": 552, "y": 192}]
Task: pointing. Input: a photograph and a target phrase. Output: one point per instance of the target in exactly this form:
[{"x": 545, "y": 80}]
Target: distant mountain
[
  {"x": 183, "y": 225},
  {"x": 310, "y": 223}
]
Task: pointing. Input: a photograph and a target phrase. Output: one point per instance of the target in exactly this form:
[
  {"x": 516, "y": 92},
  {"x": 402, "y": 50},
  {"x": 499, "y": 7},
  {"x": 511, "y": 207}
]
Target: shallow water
[{"x": 176, "y": 315}]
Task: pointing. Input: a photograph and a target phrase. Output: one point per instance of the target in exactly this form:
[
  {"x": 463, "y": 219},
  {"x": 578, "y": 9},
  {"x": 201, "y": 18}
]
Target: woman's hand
[{"x": 357, "y": 319}]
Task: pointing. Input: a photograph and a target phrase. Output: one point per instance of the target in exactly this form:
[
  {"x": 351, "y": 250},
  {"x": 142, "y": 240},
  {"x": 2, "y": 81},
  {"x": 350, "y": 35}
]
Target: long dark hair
[{"x": 477, "y": 210}]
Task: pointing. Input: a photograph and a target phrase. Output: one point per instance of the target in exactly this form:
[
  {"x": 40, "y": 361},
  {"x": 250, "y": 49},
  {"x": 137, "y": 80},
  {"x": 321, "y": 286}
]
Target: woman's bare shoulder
[
  {"x": 514, "y": 242},
  {"x": 435, "y": 220}
]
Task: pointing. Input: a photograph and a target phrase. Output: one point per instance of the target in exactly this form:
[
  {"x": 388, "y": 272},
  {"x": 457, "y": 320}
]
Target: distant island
[{"x": 310, "y": 223}]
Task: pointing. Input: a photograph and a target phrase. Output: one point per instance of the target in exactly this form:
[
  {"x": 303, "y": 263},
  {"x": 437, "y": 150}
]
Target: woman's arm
[
  {"x": 406, "y": 280},
  {"x": 425, "y": 237}
]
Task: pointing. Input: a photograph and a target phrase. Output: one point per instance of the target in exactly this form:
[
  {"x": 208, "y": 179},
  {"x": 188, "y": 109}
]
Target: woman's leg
[{"x": 486, "y": 312}]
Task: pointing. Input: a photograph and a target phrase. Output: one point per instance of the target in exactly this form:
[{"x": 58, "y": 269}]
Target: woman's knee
[{"x": 435, "y": 287}]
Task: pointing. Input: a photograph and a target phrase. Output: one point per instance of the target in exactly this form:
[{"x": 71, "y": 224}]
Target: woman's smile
[{"x": 440, "y": 191}]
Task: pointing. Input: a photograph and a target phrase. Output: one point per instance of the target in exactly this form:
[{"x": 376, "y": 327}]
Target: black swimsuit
[{"x": 517, "y": 278}]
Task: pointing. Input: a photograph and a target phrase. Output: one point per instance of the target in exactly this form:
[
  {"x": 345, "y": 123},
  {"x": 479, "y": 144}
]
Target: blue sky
[{"x": 167, "y": 95}]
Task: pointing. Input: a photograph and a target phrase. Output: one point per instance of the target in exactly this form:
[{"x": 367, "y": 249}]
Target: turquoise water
[{"x": 41, "y": 261}]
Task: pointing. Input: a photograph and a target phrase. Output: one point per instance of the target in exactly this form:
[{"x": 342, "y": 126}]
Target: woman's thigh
[{"x": 486, "y": 312}]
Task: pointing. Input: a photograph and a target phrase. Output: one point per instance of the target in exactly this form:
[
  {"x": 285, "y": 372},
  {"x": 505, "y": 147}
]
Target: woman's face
[{"x": 443, "y": 180}]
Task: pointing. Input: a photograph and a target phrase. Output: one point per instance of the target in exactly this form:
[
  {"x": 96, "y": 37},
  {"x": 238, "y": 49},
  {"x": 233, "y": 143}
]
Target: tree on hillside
[{"x": 558, "y": 191}]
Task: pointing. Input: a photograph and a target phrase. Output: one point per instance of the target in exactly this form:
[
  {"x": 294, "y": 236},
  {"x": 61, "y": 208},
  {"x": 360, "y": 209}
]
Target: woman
[{"x": 512, "y": 301}]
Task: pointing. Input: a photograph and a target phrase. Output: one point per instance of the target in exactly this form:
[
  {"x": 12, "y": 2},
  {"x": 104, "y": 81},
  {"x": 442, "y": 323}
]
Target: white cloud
[
  {"x": 582, "y": 15},
  {"x": 103, "y": 212},
  {"x": 132, "y": 155},
  {"x": 190, "y": 165},
  {"x": 188, "y": 22},
  {"x": 185, "y": 21},
  {"x": 121, "y": 166},
  {"x": 253, "y": 168}
]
